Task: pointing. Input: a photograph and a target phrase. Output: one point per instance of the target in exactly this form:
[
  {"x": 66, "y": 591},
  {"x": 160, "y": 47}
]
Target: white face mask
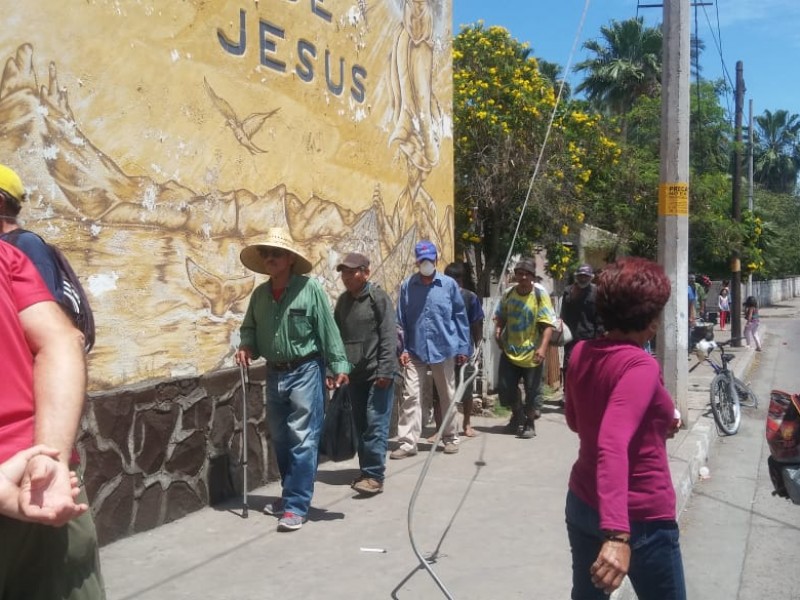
[{"x": 426, "y": 268}]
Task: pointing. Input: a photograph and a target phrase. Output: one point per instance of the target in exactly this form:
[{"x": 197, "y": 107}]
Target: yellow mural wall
[{"x": 157, "y": 139}]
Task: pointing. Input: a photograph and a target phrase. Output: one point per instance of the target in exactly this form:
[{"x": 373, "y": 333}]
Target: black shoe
[
  {"x": 528, "y": 431},
  {"x": 512, "y": 428}
]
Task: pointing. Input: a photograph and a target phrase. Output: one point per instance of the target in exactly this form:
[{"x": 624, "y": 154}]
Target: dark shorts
[{"x": 39, "y": 562}]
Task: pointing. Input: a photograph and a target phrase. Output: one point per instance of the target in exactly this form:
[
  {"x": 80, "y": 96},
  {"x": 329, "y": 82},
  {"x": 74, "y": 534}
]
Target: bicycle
[{"x": 728, "y": 393}]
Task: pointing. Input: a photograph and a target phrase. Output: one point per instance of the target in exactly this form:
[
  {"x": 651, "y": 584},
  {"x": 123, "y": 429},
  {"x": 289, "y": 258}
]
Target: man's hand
[
  {"x": 48, "y": 491},
  {"x": 337, "y": 381},
  {"x": 461, "y": 359},
  {"x": 539, "y": 355},
  {"x": 405, "y": 359},
  {"x": 382, "y": 382},
  {"x": 14, "y": 467},
  {"x": 498, "y": 337},
  {"x": 243, "y": 356}
]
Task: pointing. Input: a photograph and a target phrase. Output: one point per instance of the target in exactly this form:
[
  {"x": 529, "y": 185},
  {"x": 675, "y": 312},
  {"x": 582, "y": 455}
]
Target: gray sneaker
[
  {"x": 451, "y": 448},
  {"x": 290, "y": 522},
  {"x": 402, "y": 453},
  {"x": 367, "y": 486},
  {"x": 528, "y": 432},
  {"x": 274, "y": 508}
]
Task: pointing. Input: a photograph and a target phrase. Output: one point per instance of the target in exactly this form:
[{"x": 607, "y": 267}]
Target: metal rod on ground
[
  {"x": 446, "y": 419},
  {"x": 245, "y": 378}
]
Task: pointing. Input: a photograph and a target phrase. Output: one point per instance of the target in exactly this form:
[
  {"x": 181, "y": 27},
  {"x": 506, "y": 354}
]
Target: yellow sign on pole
[{"x": 673, "y": 200}]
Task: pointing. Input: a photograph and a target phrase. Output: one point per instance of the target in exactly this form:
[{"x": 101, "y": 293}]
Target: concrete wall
[
  {"x": 768, "y": 293},
  {"x": 157, "y": 139},
  {"x": 152, "y": 454}
]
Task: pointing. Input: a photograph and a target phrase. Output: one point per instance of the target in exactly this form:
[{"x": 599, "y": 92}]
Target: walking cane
[{"x": 245, "y": 376}]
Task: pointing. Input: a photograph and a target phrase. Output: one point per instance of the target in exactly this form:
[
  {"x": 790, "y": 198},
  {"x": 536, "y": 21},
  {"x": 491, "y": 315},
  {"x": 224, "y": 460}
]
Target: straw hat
[{"x": 277, "y": 237}]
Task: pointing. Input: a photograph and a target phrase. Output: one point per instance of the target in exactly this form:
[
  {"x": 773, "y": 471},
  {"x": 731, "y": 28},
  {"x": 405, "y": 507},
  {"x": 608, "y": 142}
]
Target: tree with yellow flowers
[{"x": 502, "y": 107}]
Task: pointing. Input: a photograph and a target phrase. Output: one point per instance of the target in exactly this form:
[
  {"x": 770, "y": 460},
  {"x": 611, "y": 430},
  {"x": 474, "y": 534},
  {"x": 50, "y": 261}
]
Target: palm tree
[
  {"x": 777, "y": 150},
  {"x": 626, "y": 65},
  {"x": 554, "y": 73}
]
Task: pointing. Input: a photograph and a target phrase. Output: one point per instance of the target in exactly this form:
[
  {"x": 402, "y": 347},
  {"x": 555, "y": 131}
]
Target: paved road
[
  {"x": 493, "y": 514},
  {"x": 739, "y": 541}
]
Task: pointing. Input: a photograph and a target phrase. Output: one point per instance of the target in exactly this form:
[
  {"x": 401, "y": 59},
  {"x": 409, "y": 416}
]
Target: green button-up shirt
[{"x": 297, "y": 325}]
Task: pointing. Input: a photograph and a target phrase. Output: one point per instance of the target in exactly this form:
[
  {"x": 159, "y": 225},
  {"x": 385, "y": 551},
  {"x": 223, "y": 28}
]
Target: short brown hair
[{"x": 631, "y": 293}]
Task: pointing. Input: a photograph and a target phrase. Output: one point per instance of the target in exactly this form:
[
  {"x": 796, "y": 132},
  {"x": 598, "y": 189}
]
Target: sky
[{"x": 763, "y": 34}]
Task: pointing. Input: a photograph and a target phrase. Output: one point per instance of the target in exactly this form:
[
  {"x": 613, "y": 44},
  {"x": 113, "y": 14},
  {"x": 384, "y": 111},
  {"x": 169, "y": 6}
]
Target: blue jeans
[
  {"x": 508, "y": 389},
  {"x": 372, "y": 409},
  {"x": 295, "y": 412},
  {"x": 656, "y": 569}
]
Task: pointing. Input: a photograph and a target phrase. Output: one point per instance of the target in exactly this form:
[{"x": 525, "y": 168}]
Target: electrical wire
[
  {"x": 546, "y": 135},
  {"x": 718, "y": 45},
  {"x": 463, "y": 384}
]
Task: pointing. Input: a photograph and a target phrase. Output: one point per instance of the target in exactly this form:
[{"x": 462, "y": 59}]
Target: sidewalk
[{"x": 493, "y": 514}]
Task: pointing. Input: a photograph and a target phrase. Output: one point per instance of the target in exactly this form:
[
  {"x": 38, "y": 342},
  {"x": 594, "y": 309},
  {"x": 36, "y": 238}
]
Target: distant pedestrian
[
  {"x": 752, "y": 321},
  {"x": 431, "y": 312},
  {"x": 579, "y": 312},
  {"x": 620, "y": 508},
  {"x": 475, "y": 316},
  {"x": 289, "y": 323},
  {"x": 524, "y": 320},
  {"x": 724, "y": 304},
  {"x": 365, "y": 317}
]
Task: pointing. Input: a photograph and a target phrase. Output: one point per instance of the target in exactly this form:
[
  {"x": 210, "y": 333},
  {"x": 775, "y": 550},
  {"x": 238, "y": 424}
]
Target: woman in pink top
[{"x": 621, "y": 504}]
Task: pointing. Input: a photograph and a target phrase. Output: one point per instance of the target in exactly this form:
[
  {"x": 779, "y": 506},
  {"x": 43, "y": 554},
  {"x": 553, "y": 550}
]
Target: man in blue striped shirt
[{"x": 431, "y": 312}]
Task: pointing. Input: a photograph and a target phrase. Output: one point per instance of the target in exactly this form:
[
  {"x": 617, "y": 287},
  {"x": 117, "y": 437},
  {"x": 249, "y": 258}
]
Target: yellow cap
[{"x": 11, "y": 183}]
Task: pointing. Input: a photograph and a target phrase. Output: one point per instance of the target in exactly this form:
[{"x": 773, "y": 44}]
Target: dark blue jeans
[
  {"x": 372, "y": 409},
  {"x": 508, "y": 389},
  {"x": 295, "y": 412},
  {"x": 656, "y": 569}
]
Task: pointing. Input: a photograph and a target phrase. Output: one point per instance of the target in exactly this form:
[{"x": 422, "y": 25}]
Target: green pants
[{"x": 39, "y": 562}]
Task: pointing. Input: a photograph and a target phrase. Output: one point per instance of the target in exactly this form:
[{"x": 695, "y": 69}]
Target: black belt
[{"x": 292, "y": 364}]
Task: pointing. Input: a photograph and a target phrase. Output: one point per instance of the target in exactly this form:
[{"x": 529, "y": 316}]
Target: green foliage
[
  {"x": 502, "y": 106},
  {"x": 625, "y": 65},
  {"x": 601, "y": 163},
  {"x": 777, "y": 151}
]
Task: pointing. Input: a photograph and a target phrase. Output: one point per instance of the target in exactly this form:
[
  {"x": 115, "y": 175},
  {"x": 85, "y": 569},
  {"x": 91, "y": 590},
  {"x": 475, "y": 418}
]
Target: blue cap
[{"x": 425, "y": 250}]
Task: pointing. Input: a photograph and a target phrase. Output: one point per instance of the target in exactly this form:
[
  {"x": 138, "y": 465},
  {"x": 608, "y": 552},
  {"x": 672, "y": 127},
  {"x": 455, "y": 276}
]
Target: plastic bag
[
  {"x": 561, "y": 335},
  {"x": 339, "y": 435}
]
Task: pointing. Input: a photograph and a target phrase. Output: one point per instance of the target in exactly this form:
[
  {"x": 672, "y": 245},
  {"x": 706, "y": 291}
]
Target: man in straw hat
[
  {"x": 289, "y": 323},
  {"x": 12, "y": 195}
]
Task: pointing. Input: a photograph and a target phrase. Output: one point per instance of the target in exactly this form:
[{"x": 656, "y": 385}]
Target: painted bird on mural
[
  {"x": 220, "y": 293},
  {"x": 244, "y": 130}
]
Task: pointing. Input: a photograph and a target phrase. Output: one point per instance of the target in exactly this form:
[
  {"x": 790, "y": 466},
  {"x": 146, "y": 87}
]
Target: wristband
[{"x": 616, "y": 538}]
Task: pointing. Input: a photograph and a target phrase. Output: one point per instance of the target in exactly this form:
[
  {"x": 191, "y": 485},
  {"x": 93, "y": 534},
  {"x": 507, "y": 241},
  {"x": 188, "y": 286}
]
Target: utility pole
[
  {"x": 736, "y": 212},
  {"x": 673, "y": 200},
  {"x": 750, "y": 180}
]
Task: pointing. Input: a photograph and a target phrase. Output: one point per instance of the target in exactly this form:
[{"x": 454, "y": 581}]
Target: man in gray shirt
[{"x": 366, "y": 321}]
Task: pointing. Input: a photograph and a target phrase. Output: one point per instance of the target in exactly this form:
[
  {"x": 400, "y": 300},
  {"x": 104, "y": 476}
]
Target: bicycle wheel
[
  {"x": 747, "y": 397},
  {"x": 725, "y": 404}
]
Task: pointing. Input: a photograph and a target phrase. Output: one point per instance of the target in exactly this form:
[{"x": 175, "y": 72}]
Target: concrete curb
[{"x": 689, "y": 452}]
